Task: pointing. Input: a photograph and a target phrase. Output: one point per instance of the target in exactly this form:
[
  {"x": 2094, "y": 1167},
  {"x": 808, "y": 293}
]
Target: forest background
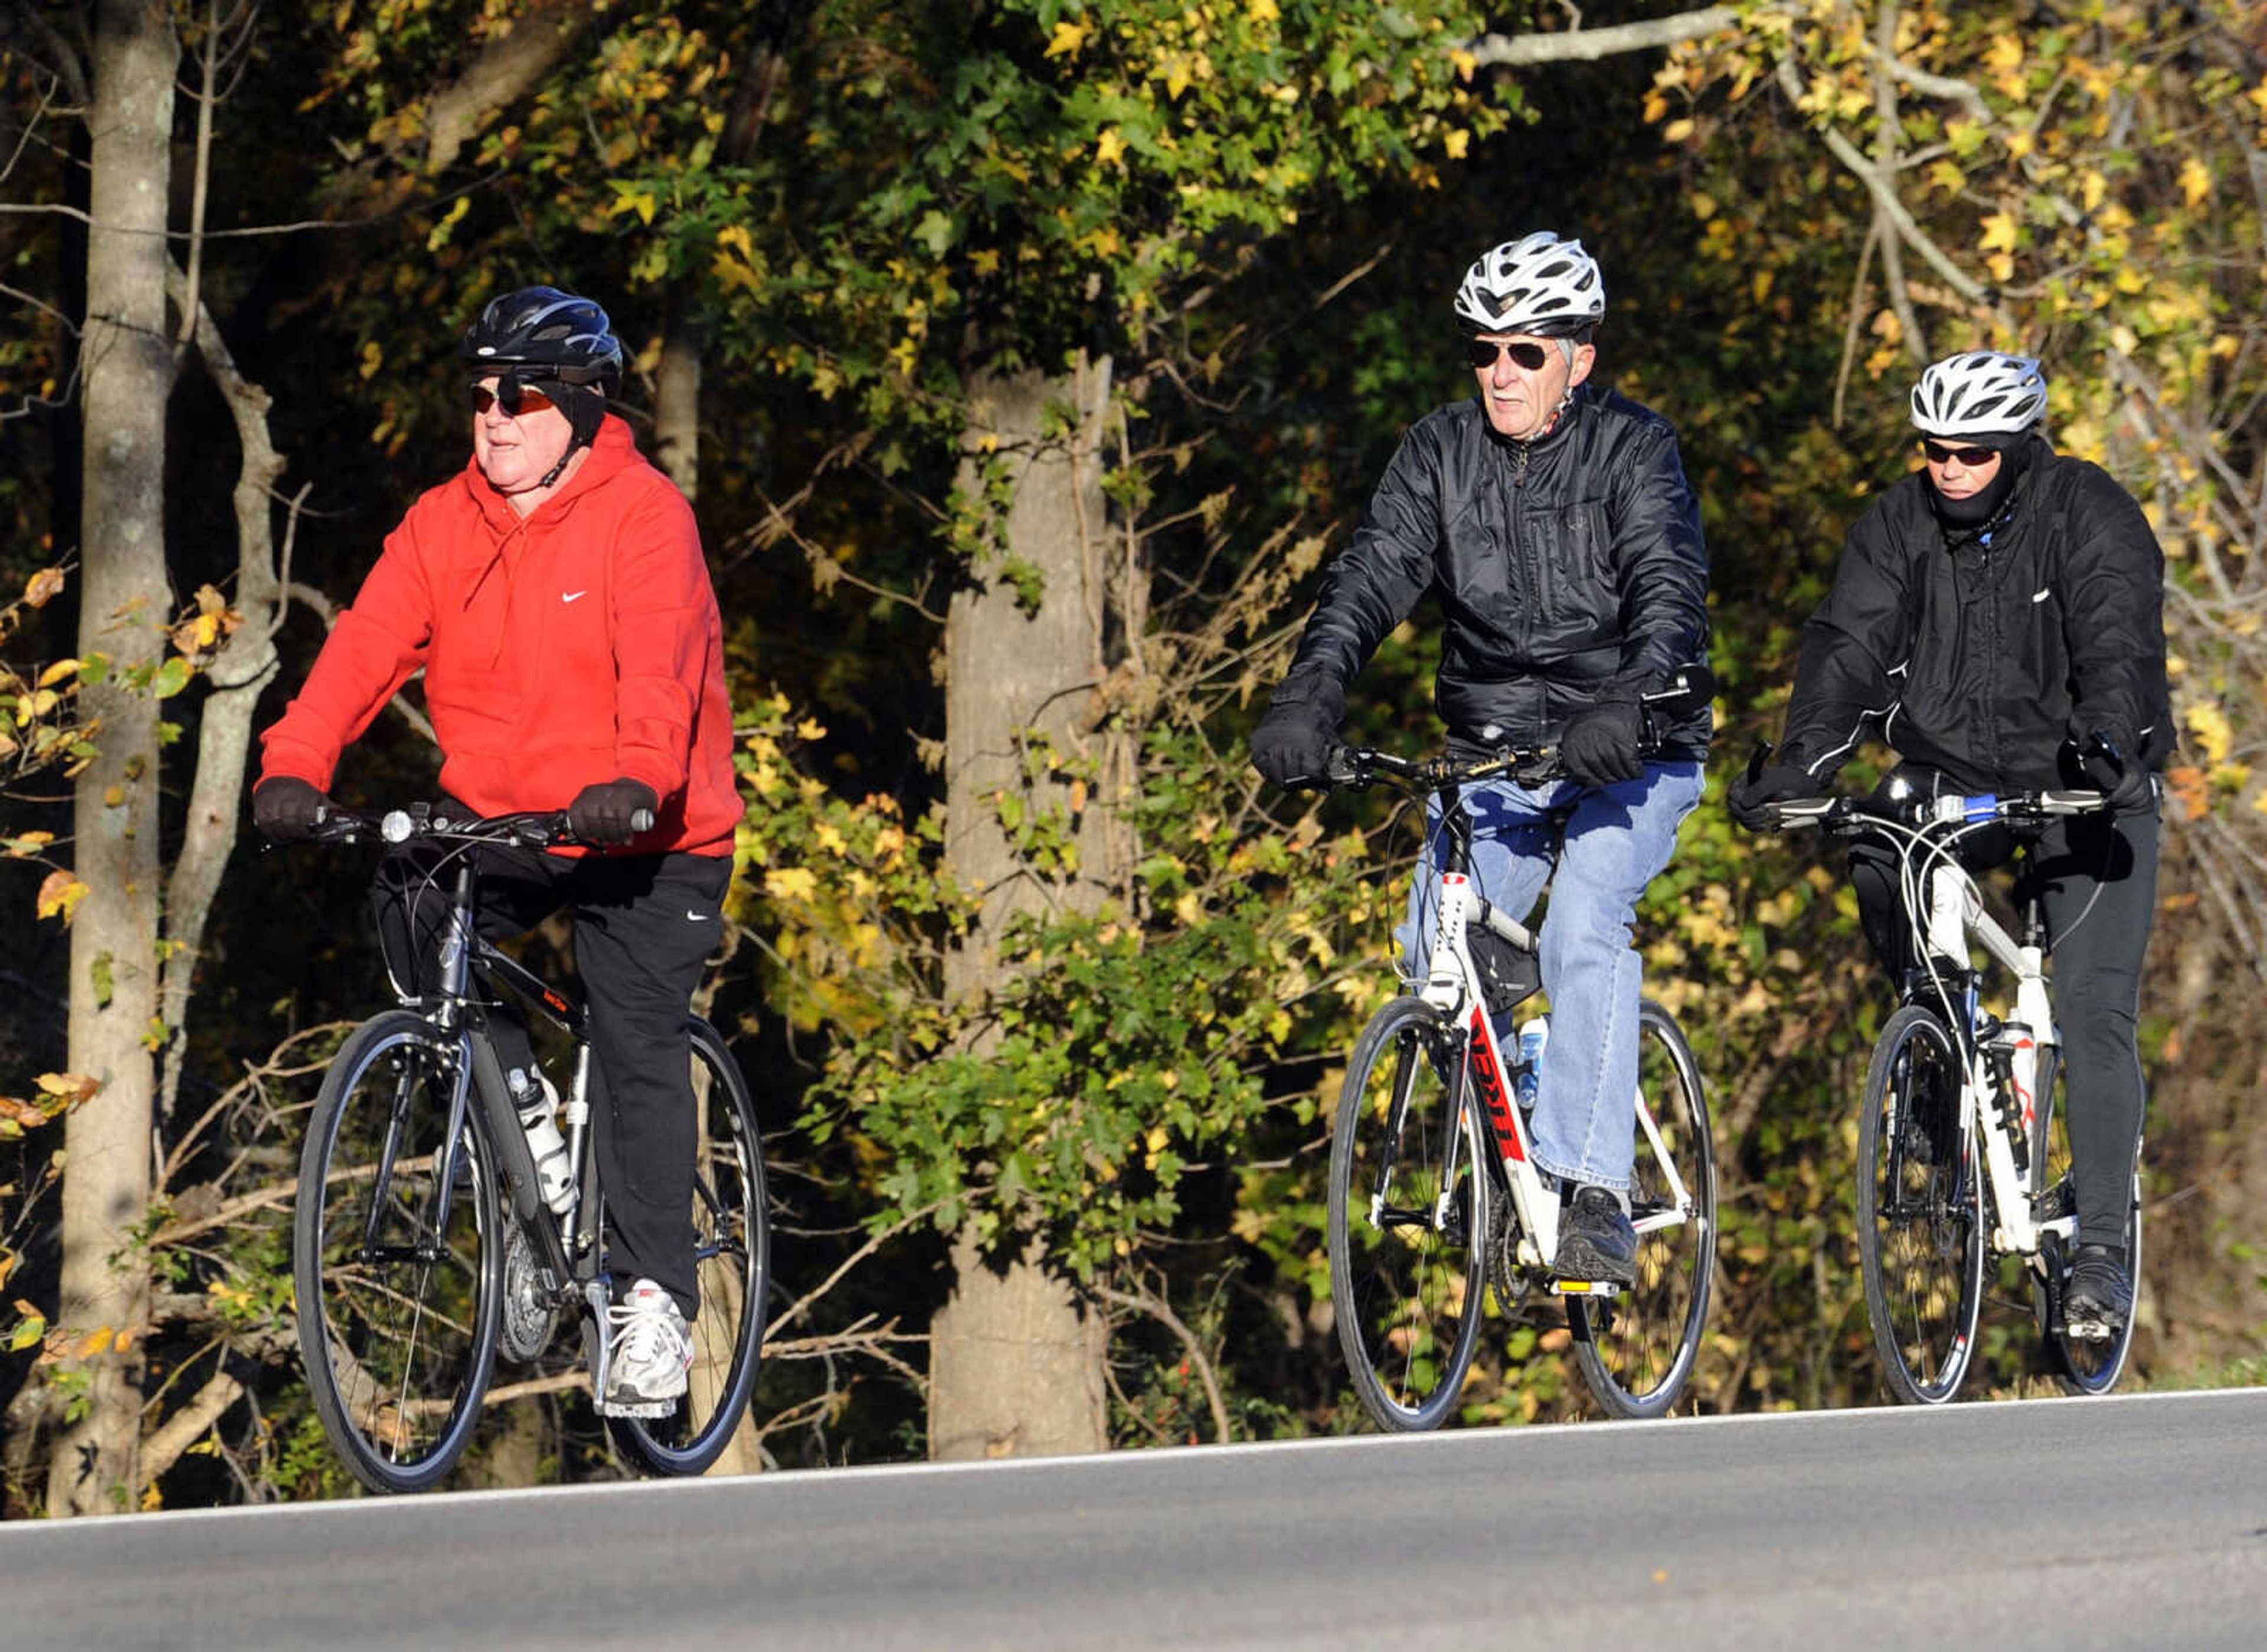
[{"x": 1025, "y": 358}]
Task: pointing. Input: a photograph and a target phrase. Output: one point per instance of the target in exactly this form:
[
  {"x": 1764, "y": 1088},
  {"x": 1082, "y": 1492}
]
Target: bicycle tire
[
  {"x": 397, "y": 1371},
  {"x": 1406, "y": 1292},
  {"x": 1637, "y": 1349},
  {"x": 731, "y": 1220},
  {"x": 1920, "y": 1210},
  {"x": 2079, "y": 1366}
]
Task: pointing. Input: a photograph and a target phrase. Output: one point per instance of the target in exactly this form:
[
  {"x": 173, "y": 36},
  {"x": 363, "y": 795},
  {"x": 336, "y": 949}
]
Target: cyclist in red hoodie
[{"x": 555, "y": 596}]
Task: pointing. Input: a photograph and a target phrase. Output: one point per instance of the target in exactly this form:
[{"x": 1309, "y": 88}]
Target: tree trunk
[
  {"x": 125, "y": 607},
  {"x": 1014, "y": 1358},
  {"x": 677, "y": 410},
  {"x": 233, "y": 681}
]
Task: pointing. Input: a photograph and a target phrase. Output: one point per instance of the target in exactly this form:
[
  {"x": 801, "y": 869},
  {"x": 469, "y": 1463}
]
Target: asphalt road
[{"x": 2124, "y": 1523}]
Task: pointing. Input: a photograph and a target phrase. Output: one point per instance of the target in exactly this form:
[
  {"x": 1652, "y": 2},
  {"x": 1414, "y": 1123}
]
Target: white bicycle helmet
[
  {"x": 1540, "y": 285},
  {"x": 1979, "y": 392}
]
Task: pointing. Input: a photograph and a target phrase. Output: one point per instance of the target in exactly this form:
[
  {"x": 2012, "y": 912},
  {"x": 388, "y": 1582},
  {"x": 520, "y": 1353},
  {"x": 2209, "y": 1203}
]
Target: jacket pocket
[{"x": 1570, "y": 550}]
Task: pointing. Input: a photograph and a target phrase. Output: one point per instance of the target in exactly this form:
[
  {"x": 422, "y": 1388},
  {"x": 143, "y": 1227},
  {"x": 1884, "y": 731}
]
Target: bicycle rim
[
  {"x": 1921, "y": 1216},
  {"x": 731, "y": 1226},
  {"x": 2081, "y": 1367},
  {"x": 397, "y": 1317},
  {"x": 1637, "y": 1348},
  {"x": 1408, "y": 1215}
]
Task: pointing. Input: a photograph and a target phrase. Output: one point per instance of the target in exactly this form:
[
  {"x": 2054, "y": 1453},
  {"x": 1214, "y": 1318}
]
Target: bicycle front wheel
[
  {"x": 1637, "y": 1348},
  {"x": 398, "y": 1276},
  {"x": 1408, "y": 1220},
  {"x": 2082, "y": 1367},
  {"x": 1920, "y": 1210},
  {"x": 732, "y": 1228}
]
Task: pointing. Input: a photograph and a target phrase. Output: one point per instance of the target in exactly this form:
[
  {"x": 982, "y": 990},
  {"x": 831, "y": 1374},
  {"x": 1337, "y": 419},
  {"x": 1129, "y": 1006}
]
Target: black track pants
[
  {"x": 644, "y": 925},
  {"x": 2097, "y": 877}
]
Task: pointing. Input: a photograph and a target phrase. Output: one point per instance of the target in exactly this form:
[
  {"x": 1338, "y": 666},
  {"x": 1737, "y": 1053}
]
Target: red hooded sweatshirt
[{"x": 577, "y": 645}]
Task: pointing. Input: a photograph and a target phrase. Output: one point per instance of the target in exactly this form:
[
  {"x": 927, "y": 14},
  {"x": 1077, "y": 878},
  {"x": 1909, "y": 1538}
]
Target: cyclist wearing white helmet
[
  {"x": 1554, "y": 522},
  {"x": 554, "y": 594},
  {"x": 1998, "y": 618}
]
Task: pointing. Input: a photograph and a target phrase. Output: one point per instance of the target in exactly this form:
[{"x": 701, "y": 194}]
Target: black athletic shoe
[
  {"x": 1596, "y": 1239},
  {"x": 2099, "y": 1297}
]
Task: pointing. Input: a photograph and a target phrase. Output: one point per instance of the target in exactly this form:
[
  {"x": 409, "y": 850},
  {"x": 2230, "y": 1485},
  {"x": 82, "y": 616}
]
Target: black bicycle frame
[{"x": 468, "y": 957}]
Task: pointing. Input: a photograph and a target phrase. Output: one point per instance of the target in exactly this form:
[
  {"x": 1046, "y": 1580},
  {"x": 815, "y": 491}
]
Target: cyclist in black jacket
[
  {"x": 1998, "y": 618},
  {"x": 1554, "y": 521}
]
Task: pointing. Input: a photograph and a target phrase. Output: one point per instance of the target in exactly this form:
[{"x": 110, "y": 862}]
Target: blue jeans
[{"x": 1614, "y": 841}]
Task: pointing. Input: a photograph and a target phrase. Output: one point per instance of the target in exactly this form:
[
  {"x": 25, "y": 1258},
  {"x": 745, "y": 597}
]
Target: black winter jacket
[
  {"x": 1570, "y": 569},
  {"x": 1985, "y": 656}
]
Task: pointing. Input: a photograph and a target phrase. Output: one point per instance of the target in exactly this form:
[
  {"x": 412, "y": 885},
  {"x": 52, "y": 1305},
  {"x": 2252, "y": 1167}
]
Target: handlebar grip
[{"x": 642, "y": 820}]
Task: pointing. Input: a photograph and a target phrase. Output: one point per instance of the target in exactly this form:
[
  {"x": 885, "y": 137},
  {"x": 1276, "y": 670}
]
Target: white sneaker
[{"x": 649, "y": 1351}]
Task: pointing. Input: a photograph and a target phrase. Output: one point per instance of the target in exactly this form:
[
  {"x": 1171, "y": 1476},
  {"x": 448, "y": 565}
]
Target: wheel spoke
[{"x": 1407, "y": 1198}]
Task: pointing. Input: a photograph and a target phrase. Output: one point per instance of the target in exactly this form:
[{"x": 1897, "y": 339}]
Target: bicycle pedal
[
  {"x": 1586, "y": 1288},
  {"x": 2089, "y": 1330},
  {"x": 639, "y": 1408}
]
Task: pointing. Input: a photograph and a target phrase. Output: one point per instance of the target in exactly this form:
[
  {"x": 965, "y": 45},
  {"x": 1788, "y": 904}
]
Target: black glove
[
  {"x": 2122, "y": 781},
  {"x": 1750, "y": 799},
  {"x": 602, "y": 813},
  {"x": 287, "y": 809},
  {"x": 1603, "y": 744},
  {"x": 1292, "y": 744}
]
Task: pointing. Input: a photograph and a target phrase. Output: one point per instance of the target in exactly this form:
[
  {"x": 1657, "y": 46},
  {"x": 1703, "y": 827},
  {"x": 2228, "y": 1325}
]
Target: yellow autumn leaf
[
  {"x": 1176, "y": 77},
  {"x": 57, "y": 671},
  {"x": 2209, "y": 723},
  {"x": 2195, "y": 180},
  {"x": 1457, "y": 143},
  {"x": 1262, "y": 12},
  {"x": 1109, "y": 147},
  {"x": 2006, "y": 53},
  {"x": 1069, "y": 39},
  {"x": 1999, "y": 234},
  {"x": 790, "y": 883},
  {"x": 59, "y": 896},
  {"x": 1676, "y": 131}
]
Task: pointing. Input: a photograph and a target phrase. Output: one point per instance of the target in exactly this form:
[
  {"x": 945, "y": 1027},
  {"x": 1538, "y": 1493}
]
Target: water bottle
[
  {"x": 1534, "y": 1033},
  {"x": 538, "y": 1104}
]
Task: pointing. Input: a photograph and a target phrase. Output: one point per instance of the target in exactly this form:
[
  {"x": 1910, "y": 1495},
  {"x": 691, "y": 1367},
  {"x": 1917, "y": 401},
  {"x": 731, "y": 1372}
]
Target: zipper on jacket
[{"x": 1991, "y": 659}]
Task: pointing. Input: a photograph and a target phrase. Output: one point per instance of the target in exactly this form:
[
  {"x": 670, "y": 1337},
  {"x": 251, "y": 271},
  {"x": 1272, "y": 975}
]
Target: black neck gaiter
[{"x": 1982, "y": 507}]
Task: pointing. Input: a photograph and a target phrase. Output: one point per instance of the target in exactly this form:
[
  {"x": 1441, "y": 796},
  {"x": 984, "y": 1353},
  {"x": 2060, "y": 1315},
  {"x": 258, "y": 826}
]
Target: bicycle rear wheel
[
  {"x": 1408, "y": 1217},
  {"x": 2080, "y": 1366},
  {"x": 1637, "y": 1348},
  {"x": 1920, "y": 1210},
  {"x": 397, "y": 1311},
  {"x": 731, "y": 1228}
]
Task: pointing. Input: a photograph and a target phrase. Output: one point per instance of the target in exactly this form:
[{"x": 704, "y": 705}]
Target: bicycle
[
  {"x": 423, "y": 1249},
  {"x": 1434, "y": 1194},
  {"x": 1947, "y": 1075}
]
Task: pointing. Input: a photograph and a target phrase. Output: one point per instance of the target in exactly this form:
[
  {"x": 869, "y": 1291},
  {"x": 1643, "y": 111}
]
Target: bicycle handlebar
[
  {"x": 1352, "y": 768},
  {"x": 1854, "y": 815},
  {"x": 537, "y": 829}
]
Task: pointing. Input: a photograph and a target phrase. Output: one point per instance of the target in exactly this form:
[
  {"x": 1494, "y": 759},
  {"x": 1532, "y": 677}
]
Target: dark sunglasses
[
  {"x": 1524, "y": 353},
  {"x": 517, "y": 398},
  {"x": 1973, "y": 457}
]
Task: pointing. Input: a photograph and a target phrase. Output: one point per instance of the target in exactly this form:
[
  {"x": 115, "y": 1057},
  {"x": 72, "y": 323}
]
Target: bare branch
[
  {"x": 1157, "y": 1309},
  {"x": 186, "y": 1427},
  {"x": 1587, "y": 46},
  {"x": 506, "y": 69}
]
